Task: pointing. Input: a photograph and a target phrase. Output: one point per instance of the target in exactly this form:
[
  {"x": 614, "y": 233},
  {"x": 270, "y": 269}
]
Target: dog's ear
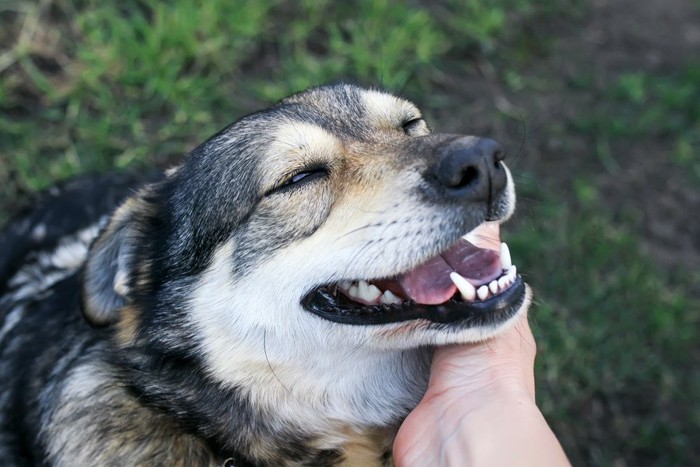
[{"x": 109, "y": 267}]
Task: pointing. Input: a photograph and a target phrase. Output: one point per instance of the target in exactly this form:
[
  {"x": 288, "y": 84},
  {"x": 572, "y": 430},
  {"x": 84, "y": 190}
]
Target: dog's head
[{"x": 335, "y": 218}]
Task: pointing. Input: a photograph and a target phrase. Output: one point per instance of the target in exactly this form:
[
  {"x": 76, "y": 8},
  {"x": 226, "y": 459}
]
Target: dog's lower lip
[{"x": 331, "y": 307}]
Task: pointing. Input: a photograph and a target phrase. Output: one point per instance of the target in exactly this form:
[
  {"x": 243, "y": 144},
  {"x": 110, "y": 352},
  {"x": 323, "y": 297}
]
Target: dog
[{"x": 273, "y": 300}]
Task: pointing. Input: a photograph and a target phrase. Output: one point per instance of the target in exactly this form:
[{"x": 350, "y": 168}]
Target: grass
[
  {"x": 643, "y": 105},
  {"x": 113, "y": 84},
  {"x": 614, "y": 372},
  {"x": 94, "y": 86}
]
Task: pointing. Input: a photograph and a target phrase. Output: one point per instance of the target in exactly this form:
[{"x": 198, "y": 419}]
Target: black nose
[{"x": 471, "y": 168}]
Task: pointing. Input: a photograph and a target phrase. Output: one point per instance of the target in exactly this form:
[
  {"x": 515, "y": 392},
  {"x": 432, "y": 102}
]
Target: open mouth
[{"x": 473, "y": 281}]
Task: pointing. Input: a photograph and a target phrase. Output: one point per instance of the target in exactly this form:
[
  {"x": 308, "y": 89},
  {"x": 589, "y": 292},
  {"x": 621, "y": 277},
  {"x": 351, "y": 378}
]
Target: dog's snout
[{"x": 471, "y": 168}]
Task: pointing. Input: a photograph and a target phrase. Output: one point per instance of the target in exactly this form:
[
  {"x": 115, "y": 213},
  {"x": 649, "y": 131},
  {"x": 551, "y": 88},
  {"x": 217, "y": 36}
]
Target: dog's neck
[
  {"x": 339, "y": 408},
  {"x": 371, "y": 448}
]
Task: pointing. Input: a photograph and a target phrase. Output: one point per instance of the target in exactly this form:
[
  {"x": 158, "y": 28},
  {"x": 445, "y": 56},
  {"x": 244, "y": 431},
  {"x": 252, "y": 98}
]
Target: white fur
[
  {"x": 49, "y": 267},
  {"x": 264, "y": 341},
  {"x": 388, "y": 111},
  {"x": 11, "y": 320},
  {"x": 509, "y": 195}
]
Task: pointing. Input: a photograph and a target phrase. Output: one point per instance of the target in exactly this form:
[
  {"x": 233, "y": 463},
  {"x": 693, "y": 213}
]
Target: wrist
[
  {"x": 508, "y": 432},
  {"x": 505, "y": 430},
  {"x": 483, "y": 408}
]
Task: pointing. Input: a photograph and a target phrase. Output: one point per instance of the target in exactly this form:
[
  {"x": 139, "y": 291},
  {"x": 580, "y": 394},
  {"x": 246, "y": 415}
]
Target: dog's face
[{"x": 328, "y": 223}]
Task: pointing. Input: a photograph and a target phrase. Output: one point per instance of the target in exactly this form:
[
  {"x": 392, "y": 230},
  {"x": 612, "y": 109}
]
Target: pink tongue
[{"x": 430, "y": 282}]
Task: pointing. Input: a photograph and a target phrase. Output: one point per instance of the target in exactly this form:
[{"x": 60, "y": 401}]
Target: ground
[{"x": 597, "y": 103}]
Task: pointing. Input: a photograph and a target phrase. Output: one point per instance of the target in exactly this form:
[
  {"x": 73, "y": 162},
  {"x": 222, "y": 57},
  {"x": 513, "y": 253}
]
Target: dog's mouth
[{"x": 473, "y": 281}]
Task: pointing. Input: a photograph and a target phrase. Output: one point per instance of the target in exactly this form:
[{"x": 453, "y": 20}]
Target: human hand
[{"x": 480, "y": 409}]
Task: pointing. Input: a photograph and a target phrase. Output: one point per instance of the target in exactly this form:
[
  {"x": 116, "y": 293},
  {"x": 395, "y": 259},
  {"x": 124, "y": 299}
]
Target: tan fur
[
  {"x": 97, "y": 423},
  {"x": 366, "y": 449},
  {"x": 127, "y": 326}
]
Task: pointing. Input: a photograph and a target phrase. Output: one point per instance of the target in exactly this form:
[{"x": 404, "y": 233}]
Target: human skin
[{"x": 480, "y": 410}]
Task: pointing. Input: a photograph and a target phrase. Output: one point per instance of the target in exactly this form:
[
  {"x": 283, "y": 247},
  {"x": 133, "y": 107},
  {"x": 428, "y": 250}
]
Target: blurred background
[{"x": 597, "y": 103}]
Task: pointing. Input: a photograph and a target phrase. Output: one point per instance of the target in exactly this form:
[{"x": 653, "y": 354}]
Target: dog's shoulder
[
  {"x": 60, "y": 212},
  {"x": 94, "y": 406}
]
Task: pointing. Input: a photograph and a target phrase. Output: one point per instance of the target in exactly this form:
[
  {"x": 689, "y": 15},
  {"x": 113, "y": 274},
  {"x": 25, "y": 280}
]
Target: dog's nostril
[{"x": 470, "y": 175}]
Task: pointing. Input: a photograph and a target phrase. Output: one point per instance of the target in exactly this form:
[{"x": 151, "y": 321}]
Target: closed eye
[
  {"x": 415, "y": 127},
  {"x": 301, "y": 178}
]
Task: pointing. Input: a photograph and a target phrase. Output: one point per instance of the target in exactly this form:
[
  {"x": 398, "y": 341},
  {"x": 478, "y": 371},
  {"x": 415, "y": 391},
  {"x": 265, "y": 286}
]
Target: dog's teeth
[
  {"x": 345, "y": 285},
  {"x": 482, "y": 292},
  {"x": 389, "y": 298},
  {"x": 353, "y": 291},
  {"x": 374, "y": 292},
  {"x": 368, "y": 292},
  {"x": 465, "y": 288},
  {"x": 503, "y": 283},
  {"x": 506, "y": 261},
  {"x": 512, "y": 272},
  {"x": 493, "y": 286}
]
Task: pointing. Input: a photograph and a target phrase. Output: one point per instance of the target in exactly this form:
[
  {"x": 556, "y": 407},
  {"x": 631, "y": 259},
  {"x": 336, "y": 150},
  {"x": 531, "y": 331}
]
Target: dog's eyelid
[
  {"x": 300, "y": 177},
  {"x": 410, "y": 126}
]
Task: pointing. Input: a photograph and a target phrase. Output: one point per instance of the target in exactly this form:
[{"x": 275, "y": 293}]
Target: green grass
[
  {"x": 113, "y": 84},
  {"x": 614, "y": 373},
  {"x": 645, "y": 105},
  {"x": 662, "y": 105},
  {"x": 98, "y": 85}
]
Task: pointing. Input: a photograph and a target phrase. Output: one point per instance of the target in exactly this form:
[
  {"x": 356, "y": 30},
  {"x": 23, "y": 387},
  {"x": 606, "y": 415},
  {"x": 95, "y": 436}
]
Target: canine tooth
[
  {"x": 353, "y": 291},
  {"x": 465, "y": 288},
  {"x": 493, "y": 286},
  {"x": 389, "y": 298},
  {"x": 506, "y": 261},
  {"x": 368, "y": 292},
  {"x": 482, "y": 292}
]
